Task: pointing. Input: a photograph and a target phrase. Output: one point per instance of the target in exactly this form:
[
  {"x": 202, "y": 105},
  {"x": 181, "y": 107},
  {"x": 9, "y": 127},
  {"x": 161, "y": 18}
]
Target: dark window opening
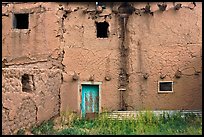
[
  {"x": 102, "y": 4},
  {"x": 20, "y": 21},
  {"x": 102, "y": 29},
  {"x": 165, "y": 86},
  {"x": 27, "y": 83}
]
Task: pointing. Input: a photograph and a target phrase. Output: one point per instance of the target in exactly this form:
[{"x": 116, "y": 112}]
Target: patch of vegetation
[
  {"x": 21, "y": 132},
  {"x": 46, "y": 128},
  {"x": 72, "y": 131},
  {"x": 144, "y": 124}
]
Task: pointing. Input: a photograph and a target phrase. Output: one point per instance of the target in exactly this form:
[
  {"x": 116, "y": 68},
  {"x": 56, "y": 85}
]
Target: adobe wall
[
  {"x": 88, "y": 56},
  {"x": 22, "y": 109},
  {"x": 163, "y": 44},
  {"x": 158, "y": 45},
  {"x": 63, "y": 36},
  {"x": 38, "y": 46}
]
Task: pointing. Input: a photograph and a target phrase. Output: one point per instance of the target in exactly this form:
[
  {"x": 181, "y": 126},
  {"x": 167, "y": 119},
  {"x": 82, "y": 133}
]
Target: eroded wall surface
[
  {"x": 159, "y": 46},
  {"x": 63, "y": 36},
  {"x": 24, "y": 108},
  {"x": 35, "y": 47},
  {"x": 162, "y": 45},
  {"x": 90, "y": 57}
]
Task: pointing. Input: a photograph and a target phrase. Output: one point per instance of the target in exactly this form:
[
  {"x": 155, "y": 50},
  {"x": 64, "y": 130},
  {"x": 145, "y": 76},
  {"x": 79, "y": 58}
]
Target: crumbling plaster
[
  {"x": 162, "y": 44},
  {"x": 24, "y": 109},
  {"x": 63, "y": 35},
  {"x": 87, "y": 55},
  {"x": 33, "y": 44},
  {"x": 159, "y": 45}
]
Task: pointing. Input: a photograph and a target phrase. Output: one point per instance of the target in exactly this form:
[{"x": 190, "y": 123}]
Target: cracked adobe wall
[
  {"x": 86, "y": 55},
  {"x": 64, "y": 36},
  {"x": 61, "y": 36},
  {"x": 22, "y": 109},
  {"x": 39, "y": 45},
  {"x": 160, "y": 45}
]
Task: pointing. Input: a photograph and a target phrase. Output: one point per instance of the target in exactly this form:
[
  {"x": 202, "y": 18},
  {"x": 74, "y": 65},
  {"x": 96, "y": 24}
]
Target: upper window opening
[
  {"x": 165, "y": 86},
  {"x": 21, "y": 21},
  {"x": 102, "y": 29},
  {"x": 27, "y": 83},
  {"x": 102, "y": 4}
]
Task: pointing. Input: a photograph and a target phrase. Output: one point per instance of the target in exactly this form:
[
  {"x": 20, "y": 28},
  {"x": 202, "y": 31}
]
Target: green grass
[
  {"x": 46, "y": 128},
  {"x": 144, "y": 124}
]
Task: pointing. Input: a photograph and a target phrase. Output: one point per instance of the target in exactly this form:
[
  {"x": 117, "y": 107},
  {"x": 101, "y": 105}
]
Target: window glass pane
[{"x": 165, "y": 86}]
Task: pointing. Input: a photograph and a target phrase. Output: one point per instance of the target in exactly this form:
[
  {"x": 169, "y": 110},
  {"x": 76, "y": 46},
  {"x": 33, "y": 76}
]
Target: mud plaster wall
[
  {"x": 24, "y": 109},
  {"x": 87, "y": 56},
  {"x": 39, "y": 45},
  {"x": 160, "y": 44}
]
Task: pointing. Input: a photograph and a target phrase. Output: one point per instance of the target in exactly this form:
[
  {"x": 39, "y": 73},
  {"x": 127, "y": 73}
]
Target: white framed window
[{"x": 165, "y": 86}]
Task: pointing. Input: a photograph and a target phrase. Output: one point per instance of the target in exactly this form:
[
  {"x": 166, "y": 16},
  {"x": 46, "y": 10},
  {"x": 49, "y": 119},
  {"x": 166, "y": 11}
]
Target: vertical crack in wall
[
  {"x": 124, "y": 11},
  {"x": 123, "y": 75},
  {"x": 62, "y": 14},
  {"x": 140, "y": 65},
  {"x": 62, "y": 45}
]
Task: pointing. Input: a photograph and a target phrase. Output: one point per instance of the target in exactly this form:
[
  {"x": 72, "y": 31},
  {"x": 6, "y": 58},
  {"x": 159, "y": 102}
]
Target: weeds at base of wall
[
  {"x": 65, "y": 120},
  {"x": 21, "y": 132},
  {"x": 46, "y": 128},
  {"x": 144, "y": 123}
]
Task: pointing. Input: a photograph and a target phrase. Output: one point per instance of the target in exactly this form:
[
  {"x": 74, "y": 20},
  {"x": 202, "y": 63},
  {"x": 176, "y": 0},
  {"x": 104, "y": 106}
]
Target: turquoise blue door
[{"x": 90, "y": 100}]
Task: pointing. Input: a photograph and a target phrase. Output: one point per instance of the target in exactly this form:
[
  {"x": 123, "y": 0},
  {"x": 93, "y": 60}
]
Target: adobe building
[{"x": 92, "y": 57}]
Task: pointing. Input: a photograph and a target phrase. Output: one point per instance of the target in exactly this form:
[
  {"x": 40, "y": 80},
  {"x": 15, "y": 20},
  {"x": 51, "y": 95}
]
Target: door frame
[{"x": 80, "y": 93}]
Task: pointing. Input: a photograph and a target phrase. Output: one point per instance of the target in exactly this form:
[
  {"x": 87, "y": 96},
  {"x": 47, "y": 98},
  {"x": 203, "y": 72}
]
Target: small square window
[
  {"x": 165, "y": 86},
  {"x": 27, "y": 83},
  {"x": 20, "y": 21},
  {"x": 102, "y": 29}
]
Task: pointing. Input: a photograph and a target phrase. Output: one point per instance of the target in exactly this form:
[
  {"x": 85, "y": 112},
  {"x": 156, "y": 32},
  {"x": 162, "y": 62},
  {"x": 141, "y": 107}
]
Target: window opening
[
  {"x": 102, "y": 29},
  {"x": 21, "y": 21},
  {"x": 165, "y": 86},
  {"x": 102, "y": 4},
  {"x": 27, "y": 83}
]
